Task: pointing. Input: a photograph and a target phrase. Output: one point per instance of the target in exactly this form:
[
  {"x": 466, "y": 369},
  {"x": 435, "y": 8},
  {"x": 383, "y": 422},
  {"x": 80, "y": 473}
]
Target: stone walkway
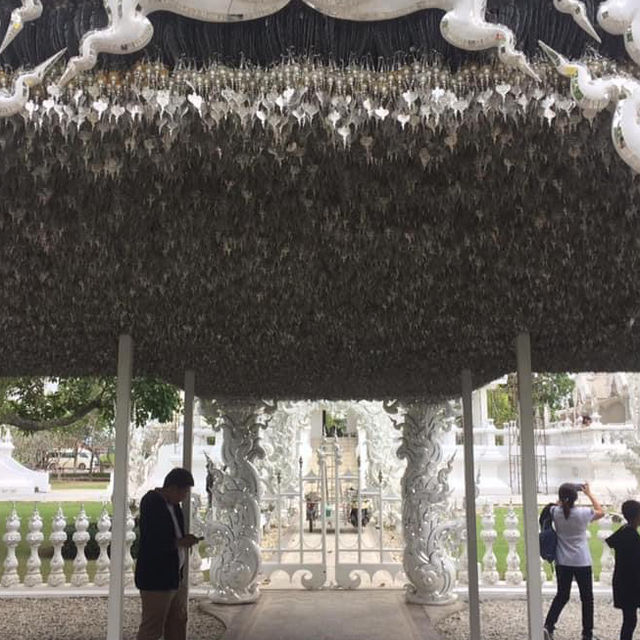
[
  {"x": 349, "y": 554},
  {"x": 325, "y": 615},
  {"x": 62, "y": 495}
]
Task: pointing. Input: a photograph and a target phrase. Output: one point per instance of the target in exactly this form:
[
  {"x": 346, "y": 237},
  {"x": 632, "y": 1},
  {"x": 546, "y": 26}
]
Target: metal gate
[{"x": 330, "y": 529}]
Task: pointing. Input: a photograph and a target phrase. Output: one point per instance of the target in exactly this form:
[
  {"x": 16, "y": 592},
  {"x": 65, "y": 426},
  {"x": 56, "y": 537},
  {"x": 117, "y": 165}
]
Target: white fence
[{"x": 30, "y": 573}]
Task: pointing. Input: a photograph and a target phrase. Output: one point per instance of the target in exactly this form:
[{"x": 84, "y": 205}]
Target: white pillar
[
  {"x": 187, "y": 451},
  {"x": 470, "y": 507},
  {"x": 529, "y": 488},
  {"x": 123, "y": 413}
]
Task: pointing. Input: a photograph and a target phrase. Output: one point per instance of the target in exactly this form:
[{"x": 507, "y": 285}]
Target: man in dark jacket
[
  {"x": 626, "y": 574},
  {"x": 162, "y": 555}
]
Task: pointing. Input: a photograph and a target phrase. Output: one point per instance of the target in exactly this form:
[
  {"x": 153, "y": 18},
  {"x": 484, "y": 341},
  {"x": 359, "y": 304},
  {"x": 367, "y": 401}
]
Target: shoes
[{"x": 548, "y": 635}]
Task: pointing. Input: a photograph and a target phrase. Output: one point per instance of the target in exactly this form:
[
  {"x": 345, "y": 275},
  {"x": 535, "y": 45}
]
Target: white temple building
[
  {"x": 566, "y": 450},
  {"x": 16, "y": 479}
]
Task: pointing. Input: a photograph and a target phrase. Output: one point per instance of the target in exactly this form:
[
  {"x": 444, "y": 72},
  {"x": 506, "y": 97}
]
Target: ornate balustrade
[
  {"x": 28, "y": 571},
  {"x": 562, "y": 434},
  {"x": 596, "y": 436}
]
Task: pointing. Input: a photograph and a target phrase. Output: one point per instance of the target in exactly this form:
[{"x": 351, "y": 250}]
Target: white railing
[
  {"x": 563, "y": 434},
  {"x": 511, "y": 580},
  {"x": 596, "y": 436},
  {"x": 27, "y": 575}
]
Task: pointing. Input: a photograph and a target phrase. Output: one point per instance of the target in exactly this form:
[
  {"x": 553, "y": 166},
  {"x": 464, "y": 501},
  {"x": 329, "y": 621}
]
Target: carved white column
[
  {"x": 11, "y": 539},
  {"x": 513, "y": 574},
  {"x": 463, "y": 560},
  {"x": 35, "y": 538},
  {"x": 129, "y": 538},
  {"x": 195, "y": 559},
  {"x": 607, "y": 560},
  {"x": 57, "y": 538},
  {"x": 279, "y": 444},
  {"x": 235, "y": 536},
  {"x": 488, "y": 535},
  {"x": 425, "y": 492},
  {"x": 103, "y": 538},
  {"x": 81, "y": 536}
]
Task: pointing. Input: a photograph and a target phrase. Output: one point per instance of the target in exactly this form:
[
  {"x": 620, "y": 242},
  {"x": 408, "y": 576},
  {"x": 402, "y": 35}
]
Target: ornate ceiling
[{"x": 309, "y": 231}]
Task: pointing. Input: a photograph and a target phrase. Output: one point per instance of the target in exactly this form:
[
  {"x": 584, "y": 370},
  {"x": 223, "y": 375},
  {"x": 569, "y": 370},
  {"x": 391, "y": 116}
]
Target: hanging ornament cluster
[
  {"x": 305, "y": 94},
  {"x": 305, "y": 231},
  {"x": 462, "y": 25}
]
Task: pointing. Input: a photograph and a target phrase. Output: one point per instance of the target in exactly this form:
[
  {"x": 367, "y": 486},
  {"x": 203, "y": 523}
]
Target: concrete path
[
  {"x": 348, "y": 554},
  {"x": 326, "y": 615},
  {"x": 62, "y": 495}
]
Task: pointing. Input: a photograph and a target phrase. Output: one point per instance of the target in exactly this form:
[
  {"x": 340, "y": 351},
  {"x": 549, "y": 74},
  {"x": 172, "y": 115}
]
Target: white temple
[
  {"x": 16, "y": 479},
  {"x": 566, "y": 450}
]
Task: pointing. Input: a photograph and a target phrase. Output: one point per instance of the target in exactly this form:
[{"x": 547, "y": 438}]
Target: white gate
[{"x": 330, "y": 529}]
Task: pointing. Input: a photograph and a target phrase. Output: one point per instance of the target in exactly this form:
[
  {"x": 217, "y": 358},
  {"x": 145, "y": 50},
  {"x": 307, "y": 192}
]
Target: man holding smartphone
[{"x": 161, "y": 558}]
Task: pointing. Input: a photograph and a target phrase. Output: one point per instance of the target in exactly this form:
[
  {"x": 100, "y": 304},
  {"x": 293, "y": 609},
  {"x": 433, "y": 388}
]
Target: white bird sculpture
[
  {"x": 30, "y": 10},
  {"x": 13, "y": 102},
  {"x": 597, "y": 93},
  {"x": 622, "y": 18},
  {"x": 578, "y": 11}
]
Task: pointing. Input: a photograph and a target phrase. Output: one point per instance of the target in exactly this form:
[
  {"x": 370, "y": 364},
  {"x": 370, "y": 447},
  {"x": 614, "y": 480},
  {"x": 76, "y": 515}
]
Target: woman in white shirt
[{"x": 573, "y": 559}]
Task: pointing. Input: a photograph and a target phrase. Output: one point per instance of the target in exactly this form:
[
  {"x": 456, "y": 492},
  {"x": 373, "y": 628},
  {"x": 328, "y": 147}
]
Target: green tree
[
  {"x": 553, "y": 390},
  {"x": 500, "y": 406},
  {"x": 82, "y": 404}
]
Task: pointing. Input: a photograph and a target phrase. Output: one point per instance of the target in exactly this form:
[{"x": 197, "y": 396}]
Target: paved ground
[
  {"x": 65, "y": 618},
  {"x": 61, "y": 495},
  {"x": 325, "y": 615},
  {"x": 348, "y": 554},
  {"x": 507, "y": 620}
]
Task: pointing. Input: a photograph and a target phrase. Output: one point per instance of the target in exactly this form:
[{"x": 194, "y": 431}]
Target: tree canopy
[
  {"x": 553, "y": 390},
  {"x": 36, "y": 404}
]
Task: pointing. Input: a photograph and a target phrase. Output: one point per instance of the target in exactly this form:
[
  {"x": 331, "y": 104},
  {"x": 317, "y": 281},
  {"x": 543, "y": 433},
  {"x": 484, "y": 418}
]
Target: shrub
[{"x": 92, "y": 549}]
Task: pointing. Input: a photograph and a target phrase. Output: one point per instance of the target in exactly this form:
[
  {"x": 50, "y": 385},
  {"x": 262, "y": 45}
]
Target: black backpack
[{"x": 548, "y": 536}]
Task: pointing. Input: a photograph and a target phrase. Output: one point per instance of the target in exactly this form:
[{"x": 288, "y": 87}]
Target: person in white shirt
[{"x": 573, "y": 559}]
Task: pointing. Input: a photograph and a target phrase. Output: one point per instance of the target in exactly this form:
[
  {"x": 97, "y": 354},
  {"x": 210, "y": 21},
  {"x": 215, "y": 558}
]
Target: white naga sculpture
[
  {"x": 14, "y": 101},
  {"x": 618, "y": 17},
  {"x": 30, "y": 10},
  {"x": 129, "y": 30},
  {"x": 622, "y": 18},
  {"x": 578, "y": 11},
  {"x": 595, "y": 94}
]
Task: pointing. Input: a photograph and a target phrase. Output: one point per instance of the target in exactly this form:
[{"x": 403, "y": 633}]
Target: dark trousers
[
  {"x": 584, "y": 579},
  {"x": 629, "y": 620}
]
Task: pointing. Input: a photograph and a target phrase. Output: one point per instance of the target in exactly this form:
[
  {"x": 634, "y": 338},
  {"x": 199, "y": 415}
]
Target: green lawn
[
  {"x": 500, "y": 547},
  {"x": 80, "y": 484}
]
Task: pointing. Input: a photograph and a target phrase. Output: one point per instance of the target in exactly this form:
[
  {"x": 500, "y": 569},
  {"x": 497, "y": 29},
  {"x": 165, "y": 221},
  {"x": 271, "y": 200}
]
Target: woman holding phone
[{"x": 573, "y": 559}]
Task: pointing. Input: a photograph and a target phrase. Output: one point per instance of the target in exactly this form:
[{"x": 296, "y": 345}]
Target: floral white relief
[
  {"x": 425, "y": 508},
  {"x": 234, "y": 536}
]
